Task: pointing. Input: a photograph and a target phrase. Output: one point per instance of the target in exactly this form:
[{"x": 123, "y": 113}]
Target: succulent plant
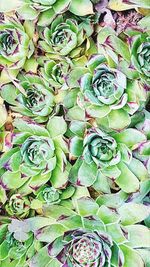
[
  {"x": 30, "y": 96},
  {"x": 106, "y": 96},
  {"x": 15, "y": 47},
  {"x": 47, "y": 10},
  {"x": 38, "y": 155},
  {"x": 64, "y": 37},
  {"x": 140, "y": 49},
  {"x": 130, "y": 50},
  {"x": 50, "y": 195},
  {"x": 111, "y": 242},
  {"x": 55, "y": 71},
  {"x": 16, "y": 249},
  {"x": 74, "y": 133},
  {"x": 86, "y": 248},
  {"x": 18, "y": 206},
  {"x": 43, "y": 10},
  {"x": 105, "y": 160}
]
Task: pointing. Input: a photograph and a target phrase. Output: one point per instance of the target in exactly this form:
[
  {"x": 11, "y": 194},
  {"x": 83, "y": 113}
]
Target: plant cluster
[{"x": 74, "y": 133}]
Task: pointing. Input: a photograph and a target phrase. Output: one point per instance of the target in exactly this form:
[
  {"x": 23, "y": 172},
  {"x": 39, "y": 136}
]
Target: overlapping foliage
[{"x": 74, "y": 133}]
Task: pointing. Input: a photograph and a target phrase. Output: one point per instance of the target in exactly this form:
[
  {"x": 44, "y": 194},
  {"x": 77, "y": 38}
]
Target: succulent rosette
[
  {"x": 15, "y": 47},
  {"x": 74, "y": 133},
  {"x": 107, "y": 96},
  {"x": 86, "y": 249},
  {"x": 46, "y": 10},
  {"x": 140, "y": 49},
  {"x": 55, "y": 72},
  {"x": 130, "y": 51},
  {"x": 43, "y": 10},
  {"x": 15, "y": 247},
  {"x": 30, "y": 96},
  {"x": 111, "y": 242},
  {"x": 105, "y": 160},
  {"x": 48, "y": 196},
  {"x": 65, "y": 37},
  {"x": 38, "y": 155},
  {"x": 18, "y": 206}
]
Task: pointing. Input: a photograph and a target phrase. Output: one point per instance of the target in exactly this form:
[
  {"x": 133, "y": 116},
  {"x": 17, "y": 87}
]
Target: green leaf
[
  {"x": 39, "y": 179},
  {"x": 130, "y": 137},
  {"x": 3, "y": 114},
  {"x": 132, "y": 258},
  {"x": 59, "y": 177},
  {"x": 50, "y": 211},
  {"x": 61, "y": 6},
  {"x": 9, "y": 93},
  {"x": 115, "y": 231},
  {"x": 107, "y": 215},
  {"x": 139, "y": 236},
  {"x": 4, "y": 250},
  {"x": 3, "y": 231},
  {"x": 132, "y": 213},
  {"x": 32, "y": 128},
  {"x": 127, "y": 181},
  {"x": 144, "y": 253},
  {"x": 46, "y": 17},
  {"x": 78, "y": 128},
  {"x": 49, "y": 233},
  {"x": 38, "y": 222},
  {"x": 139, "y": 170},
  {"x": 112, "y": 200},
  {"x": 86, "y": 7},
  {"x": 56, "y": 126},
  {"x": 16, "y": 160},
  {"x": 97, "y": 111},
  {"x": 145, "y": 22},
  {"x": 76, "y": 113},
  {"x": 27, "y": 12},
  {"x": 3, "y": 196},
  {"x": 118, "y": 119},
  {"x": 112, "y": 172},
  {"x": 143, "y": 3},
  {"x": 87, "y": 174},
  {"x": 36, "y": 204},
  {"x": 120, "y": 47},
  {"x": 95, "y": 61},
  {"x": 13, "y": 180},
  {"x": 81, "y": 191},
  {"x": 101, "y": 184},
  {"x": 42, "y": 259},
  {"x": 86, "y": 206},
  {"x": 76, "y": 146},
  {"x": 71, "y": 98},
  {"x": 74, "y": 76},
  {"x": 73, "y": 174},
  {"x": 7, "y": 6},
  {"x": 144, "y": 190},
  {"x": 31, "y": 65},
  {"x": 118, "y": 5},
  {"x": 68, "y": 192}
]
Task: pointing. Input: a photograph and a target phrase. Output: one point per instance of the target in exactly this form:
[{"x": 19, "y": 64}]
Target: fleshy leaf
[
  {"x": 132, "y": 213},
  {"x": 86, "y": 7},
  {"x": 56, "y": 126},
  {"x": 87, "y": 174}
]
